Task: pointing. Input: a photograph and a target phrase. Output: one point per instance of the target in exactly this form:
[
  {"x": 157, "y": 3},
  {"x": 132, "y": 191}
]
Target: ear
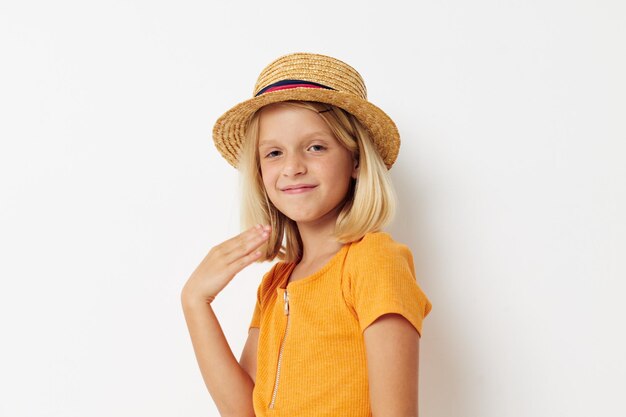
[{"x": 355, "y": 169}]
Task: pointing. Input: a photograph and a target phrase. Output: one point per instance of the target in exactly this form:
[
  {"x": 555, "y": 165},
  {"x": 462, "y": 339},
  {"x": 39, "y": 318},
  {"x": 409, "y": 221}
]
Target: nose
[{"x": 293, "y": 165}]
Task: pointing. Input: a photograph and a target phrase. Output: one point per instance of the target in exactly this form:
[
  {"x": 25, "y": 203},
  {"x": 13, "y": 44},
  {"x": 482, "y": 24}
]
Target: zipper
[{"x": 282, "y": 345}]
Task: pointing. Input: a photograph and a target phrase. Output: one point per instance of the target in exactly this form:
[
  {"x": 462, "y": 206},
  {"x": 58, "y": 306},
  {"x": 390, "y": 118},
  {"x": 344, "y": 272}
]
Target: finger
[
  {"x": 246, "y": 245},
  {"x": 233, "y": 240},
  {"x": 242, "y": 262},
  {"x": 235, "y": 243}
]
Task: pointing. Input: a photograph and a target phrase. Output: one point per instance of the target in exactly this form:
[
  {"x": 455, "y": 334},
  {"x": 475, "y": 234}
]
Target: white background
[{"x": 511, "y": 179}]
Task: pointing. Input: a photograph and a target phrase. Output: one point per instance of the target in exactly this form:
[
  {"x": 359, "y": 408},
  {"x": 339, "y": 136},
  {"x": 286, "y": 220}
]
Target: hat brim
[{"x": 229, "y": 129}]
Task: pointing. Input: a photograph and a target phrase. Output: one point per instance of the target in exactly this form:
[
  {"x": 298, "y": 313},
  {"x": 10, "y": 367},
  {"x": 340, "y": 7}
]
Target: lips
[{"x": 298, "y": 189}]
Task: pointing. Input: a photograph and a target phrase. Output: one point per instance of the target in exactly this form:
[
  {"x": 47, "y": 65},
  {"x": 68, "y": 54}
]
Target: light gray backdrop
[{"x": 511, "y": 180}]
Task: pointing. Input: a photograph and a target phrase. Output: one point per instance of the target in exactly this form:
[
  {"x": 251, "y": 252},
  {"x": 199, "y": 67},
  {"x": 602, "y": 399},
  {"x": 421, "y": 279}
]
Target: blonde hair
[{"x": 370, "y": 202}]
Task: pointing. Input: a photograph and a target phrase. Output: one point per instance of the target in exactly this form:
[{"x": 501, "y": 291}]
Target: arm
[
  {"x": 248, "y": 355},
  {"x": 392, "y": 346},
  {"x": 228, "y": 382}
]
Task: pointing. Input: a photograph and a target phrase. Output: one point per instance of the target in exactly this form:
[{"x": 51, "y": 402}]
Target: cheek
[
  {"x": 267, "y": 176},
  {"x": 336, "y": 168}
]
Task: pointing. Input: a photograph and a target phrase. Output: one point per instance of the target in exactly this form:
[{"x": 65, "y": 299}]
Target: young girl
[{"x": 337, "y": 321}]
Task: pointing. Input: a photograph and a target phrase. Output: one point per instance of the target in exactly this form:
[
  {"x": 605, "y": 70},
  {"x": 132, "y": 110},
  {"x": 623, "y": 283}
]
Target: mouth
[{"x": 298, "y": 189}]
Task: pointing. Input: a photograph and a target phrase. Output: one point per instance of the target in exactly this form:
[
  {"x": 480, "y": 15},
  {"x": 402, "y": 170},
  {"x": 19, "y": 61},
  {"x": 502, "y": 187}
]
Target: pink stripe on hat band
[{"x": 286, "y": 87}]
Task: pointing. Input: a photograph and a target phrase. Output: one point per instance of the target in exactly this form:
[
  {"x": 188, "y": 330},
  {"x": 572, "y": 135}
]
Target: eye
[
  {"x": 318, "y": 146},
  {"x": 269, "y": 155}
]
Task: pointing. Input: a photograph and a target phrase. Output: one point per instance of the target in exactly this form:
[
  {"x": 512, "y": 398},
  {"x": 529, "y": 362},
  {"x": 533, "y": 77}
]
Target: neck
[{"x": 317, "y": 239}]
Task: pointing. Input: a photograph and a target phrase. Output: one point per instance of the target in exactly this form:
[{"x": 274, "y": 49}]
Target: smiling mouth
[{"x": 299, "y": 190}]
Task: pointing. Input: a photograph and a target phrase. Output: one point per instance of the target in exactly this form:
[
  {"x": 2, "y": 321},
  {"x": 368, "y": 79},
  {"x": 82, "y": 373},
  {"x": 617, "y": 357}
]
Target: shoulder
[
  {"x": 380, "y": 279},
  {"x": 378, "y": 248},
  {"x": 377, "y": 240},
  {"x": 271, "y": 280},
  {"x": 273, "y": 271}
]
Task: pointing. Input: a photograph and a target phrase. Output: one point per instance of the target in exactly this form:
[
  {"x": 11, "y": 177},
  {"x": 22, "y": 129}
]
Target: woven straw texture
[{"x": 348, "y": 92}]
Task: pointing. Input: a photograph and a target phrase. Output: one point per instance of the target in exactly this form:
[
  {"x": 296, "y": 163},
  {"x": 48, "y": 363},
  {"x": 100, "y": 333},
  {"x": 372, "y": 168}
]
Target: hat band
[{"x": 287, "y": 84}]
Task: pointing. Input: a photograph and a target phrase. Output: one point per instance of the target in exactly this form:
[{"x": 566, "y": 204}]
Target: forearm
[{"x": 228, "y": 383}]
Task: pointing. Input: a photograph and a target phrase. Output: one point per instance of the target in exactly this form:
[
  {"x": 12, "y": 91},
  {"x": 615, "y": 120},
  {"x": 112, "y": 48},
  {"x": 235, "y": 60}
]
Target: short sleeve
[
  {"x": 262, "y": 290},
  {"x": 382, "y": 280},
  {"x": 256, "y": 315}
]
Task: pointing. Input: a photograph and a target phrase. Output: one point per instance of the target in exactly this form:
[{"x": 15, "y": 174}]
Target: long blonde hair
[{"x": 370, "y": 202}]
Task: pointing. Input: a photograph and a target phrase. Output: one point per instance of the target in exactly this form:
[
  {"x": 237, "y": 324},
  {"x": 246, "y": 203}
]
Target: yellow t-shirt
[{"x": 311, "y": 358}]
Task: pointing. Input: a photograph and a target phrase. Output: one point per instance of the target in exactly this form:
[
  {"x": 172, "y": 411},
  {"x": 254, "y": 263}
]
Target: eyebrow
[{"x": 268, "y": 142}]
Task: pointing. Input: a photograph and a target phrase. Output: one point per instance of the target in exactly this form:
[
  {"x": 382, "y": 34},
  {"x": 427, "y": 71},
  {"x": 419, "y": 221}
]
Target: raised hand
[{"x": 223, "y": 262}]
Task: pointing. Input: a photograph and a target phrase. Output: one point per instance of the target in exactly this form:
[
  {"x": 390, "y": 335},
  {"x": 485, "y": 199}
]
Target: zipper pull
[{"x": 286, "y": 298}]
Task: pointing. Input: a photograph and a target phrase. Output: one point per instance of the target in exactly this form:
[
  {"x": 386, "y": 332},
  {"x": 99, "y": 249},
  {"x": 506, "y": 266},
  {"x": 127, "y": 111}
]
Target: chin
[
  {"x": 319, "y": 218},
  {"x": 318, "y": 214},
  {"x": 300, "y": 219}
]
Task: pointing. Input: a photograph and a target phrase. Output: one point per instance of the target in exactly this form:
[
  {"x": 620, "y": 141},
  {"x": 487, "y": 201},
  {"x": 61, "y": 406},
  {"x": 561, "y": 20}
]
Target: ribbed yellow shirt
[{"x": 311, "y": 358}]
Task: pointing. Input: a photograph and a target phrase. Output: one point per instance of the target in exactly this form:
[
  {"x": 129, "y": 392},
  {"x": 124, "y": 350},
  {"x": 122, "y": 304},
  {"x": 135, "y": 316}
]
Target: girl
[{"x": 337, "y": 322}]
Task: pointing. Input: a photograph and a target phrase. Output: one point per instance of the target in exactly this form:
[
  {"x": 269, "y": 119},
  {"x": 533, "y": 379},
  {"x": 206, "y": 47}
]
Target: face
[{"x": 305, "y": 170}]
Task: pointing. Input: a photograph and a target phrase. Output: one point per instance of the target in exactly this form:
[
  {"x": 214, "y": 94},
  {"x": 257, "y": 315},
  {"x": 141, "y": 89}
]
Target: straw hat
[{"x": 309, "y": 77}]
